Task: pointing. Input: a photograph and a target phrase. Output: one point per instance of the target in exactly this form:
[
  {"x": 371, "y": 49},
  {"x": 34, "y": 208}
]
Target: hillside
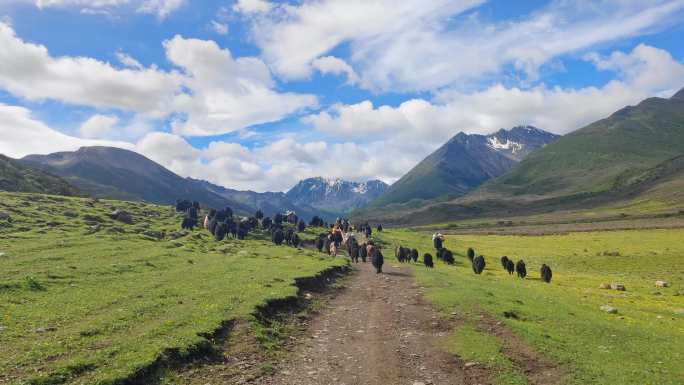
[
  {"x": 108, "y": 172},
  {"x": 335, "y": 195},
  {"x": 630, "y": 157},
  {"x": 16, "y": 177},
  {"x": 464, "y": 163}
]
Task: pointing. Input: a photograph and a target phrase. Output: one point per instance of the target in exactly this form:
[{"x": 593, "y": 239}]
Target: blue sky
[{"x": 253, "y": 94}]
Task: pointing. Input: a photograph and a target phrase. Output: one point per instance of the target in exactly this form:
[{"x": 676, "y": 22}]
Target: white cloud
[
  {"x": 427, "y": 45},
  {"x": 219, "y": 28},
  {"x": 128, "y": 61},
  {"x": 252, "y": 6},
  {"x": 27, "y": 70},
  {"x": 228, "y": 93},
  {"x": 215, "y": 94},
  {"x": 335, "y": 66},
  {"x": 160, "y": 8},
  {"x": 98, "y": 126},
  {"x": 21, "y": 135},
  {"x": 643, "y": 72}
]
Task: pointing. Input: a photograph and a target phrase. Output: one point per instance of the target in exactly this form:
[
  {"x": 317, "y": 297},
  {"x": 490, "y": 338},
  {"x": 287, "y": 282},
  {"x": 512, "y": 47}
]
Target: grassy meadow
[
  {"x": 89, "y": 300},
  {"x": 642, "y": 344}
]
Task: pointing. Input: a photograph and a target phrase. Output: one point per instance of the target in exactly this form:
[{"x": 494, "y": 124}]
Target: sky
[{"x": 257, "y": 94}]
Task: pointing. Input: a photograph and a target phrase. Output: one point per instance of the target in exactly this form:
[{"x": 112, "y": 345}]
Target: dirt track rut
[{"x": 377, "y": 331}]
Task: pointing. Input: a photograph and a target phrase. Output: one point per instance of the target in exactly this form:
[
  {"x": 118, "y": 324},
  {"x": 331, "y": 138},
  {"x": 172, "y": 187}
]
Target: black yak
[
  {"x": 478, "y": 264},
  {"x": 363, "y": 252},
  {"x": 183, "y": 205},
  {"x": 301, "y": 226},
  {"x": 379, "y": 228},
  {"x": 510, "y": 266},
  {"x": 546, "y": 273},
  {"x": 278, "y": 237},
  {"x": 288, "y": 236},
  {"x": 326, "y": 245},
  {"x": 188, "y": 223},
  {"x": 521, "y": 269},
  {"x": 266, "y": 223},
  {"x": 259, "y": 214},
  {"x": 220, "y": 232},
  {"x": 376, "y": 257},
  {"x": 354, "y": 255},
  {"x": 504, "y": 261},
  {"x": 212, "y": 225},
  {"x": 294, "y": 240},
  {"x": 427, "y": 261},
  {"x": 414, "y": 255},
  {"x": 448, "y": 257},
  {"x": 470, "y": 254}
]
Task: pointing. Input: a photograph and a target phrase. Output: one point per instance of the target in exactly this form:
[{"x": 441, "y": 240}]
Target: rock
[
  {"x": 609, "y": 309},
  {"x": 617, "y": 286},
  {"x": 604, "y": 286},
  {"x": 662, "y": 284},
  {"x": 122, "y": 216},
  {"x": 308, "y": 296},
  {"x": 418, "y": 383},
  {"x": 470, "y": 364},
  {"x": 2, "y": 255}
]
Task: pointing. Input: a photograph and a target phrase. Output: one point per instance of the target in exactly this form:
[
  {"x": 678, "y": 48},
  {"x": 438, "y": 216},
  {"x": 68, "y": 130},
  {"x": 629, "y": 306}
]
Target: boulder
[
  {"x": 122, "y": 216},
  {"x": 609, "y": 309},
  {"x": 662, "y": 284},
  {"x": 617, "y": 286}
]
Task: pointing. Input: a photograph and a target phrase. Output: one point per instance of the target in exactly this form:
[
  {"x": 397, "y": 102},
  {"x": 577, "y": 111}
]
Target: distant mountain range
[
  {"x": 634, "y": 154},
  {"x": 335, "y": 195},
  {"x": 115, "y": 173},
  {"x": 464, "y": 163}
]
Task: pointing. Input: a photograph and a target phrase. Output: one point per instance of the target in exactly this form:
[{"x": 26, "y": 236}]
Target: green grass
[
  {"x": 85, "y": 306},
  {"x": 643, "y": 343}
]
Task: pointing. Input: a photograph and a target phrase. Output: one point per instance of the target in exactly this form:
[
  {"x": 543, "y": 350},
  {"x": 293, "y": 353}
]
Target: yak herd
[{"x": 221, "y": 223}]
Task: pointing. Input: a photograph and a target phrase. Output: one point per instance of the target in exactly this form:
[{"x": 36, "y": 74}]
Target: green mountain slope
[
  {"x": 595, "y": 158},
  {"x": 633, "y": 155},
  {"x": 115, "y": 173},
  {"x": 16, "y": 177},
  {"x": 464, "y": 163}
]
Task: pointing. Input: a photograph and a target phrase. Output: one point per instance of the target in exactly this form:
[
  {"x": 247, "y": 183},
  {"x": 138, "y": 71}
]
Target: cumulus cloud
[
  {"x": 335, "y": 66},
  {"x": 28, "y": 70},
  {"x": 215, "y": 93},
  {"x": 228, "y": 93},
  {"x": 252, "y": 6},
  {"x": 21, "y": 135},
  {"x": 643, "y": 72},
  {"x": 427, "y": 45},
  {"x": 98, "y": 126}
]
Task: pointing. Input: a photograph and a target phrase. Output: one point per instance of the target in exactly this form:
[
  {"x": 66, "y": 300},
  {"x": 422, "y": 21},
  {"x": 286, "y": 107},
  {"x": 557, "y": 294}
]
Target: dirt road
[{"x": 377, "y": 331}]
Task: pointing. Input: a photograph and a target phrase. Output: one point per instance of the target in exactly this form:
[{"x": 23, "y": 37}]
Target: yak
[
  {"x": 427, "y": 261},
  {"x": 521, "y": 269},
  {"x": 510, "y": 266},
  {"x": 478, "y": 264},
  {"x": 504, "y": 261},
  {"x": 448, "y": 257},
  {"x": 220, "y": 232},
  {"x": 363, "y": 252},
  {"x": 278, "y": 237},
  {"x": 471, "y": 254},
  {"x": 414, "y": 255},
  {"x": 546, "y": 273}
]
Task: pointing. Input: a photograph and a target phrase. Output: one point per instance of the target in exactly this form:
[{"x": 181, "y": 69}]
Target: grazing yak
[
  {"x": 188, "y": 223},
  {"x": 504, "y": 261},
  {"x": 427, "y": 261},
  {"x": 510, "y": 266},
  {"x": 521, "y": 269},
  {"x": 363, "y": 252},
  {"x": 448, "y": 257},
  {"x": 414, "y": 255},
  {"x": 400, "y": 254},
  {"x": 471, "y": 254},
  {"x": 478, "y": 264},
  {"x": 545, "y": 272},
  {"x": 278, "y": 237}
]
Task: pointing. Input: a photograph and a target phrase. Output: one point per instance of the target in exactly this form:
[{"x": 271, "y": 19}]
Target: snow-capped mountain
[
  {"x": 464, "y": 163},
  {"x": 335, "y": 195}
]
